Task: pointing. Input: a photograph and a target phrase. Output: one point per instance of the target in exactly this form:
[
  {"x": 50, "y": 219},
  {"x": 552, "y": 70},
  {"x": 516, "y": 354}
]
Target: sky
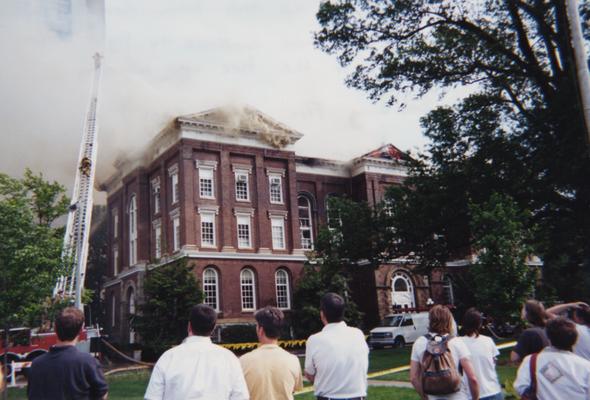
[{"x": 168, "y": 58}]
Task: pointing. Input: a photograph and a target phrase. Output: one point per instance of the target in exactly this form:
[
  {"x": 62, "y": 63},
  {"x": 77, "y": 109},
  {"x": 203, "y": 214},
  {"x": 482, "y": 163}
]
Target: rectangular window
[
  {"x": 176, "y": 233},
  {"x": 158, "y": 241},
  {"x": 115, "y": 224},
  {"x": 276, "y": 189},
  {"x": 208, "y": 229},
  {"x": 242, "y": 192},
  {"x": 175, "y": 193},
  {"x": 244, "y": 239},
  {"x": 278, "y": 233},
  {"x": 206, "y": 182},
  {"x": 115, "y": 262},
  {"x": 157, "y": 200}
]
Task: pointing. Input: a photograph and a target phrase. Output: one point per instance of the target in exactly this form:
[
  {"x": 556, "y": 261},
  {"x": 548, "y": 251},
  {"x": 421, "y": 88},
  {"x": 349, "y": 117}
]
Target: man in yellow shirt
[{"x": 271, "y": 373}]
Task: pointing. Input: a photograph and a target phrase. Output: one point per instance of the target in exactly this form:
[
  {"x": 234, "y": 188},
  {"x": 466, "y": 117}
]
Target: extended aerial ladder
[{"x": 75, "y": 249}]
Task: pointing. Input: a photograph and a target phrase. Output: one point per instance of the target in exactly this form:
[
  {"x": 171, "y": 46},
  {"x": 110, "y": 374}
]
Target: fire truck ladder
[{"x": 75, "y": 249}]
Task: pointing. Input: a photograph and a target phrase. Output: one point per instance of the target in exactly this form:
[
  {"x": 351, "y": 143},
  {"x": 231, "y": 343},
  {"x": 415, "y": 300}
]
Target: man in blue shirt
[{"x": 65, "y": 373}]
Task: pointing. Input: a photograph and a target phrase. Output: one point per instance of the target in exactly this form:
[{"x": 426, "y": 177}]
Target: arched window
[
  {"x": 448, "y": 290},
  {"x": 305, "y": 222},
  {"x": 283, "y": 290},
  {"x": 132, "y": 230},
  {"x": 131, "y": 312},
  {"x": 211, "y": 288},
  {"x": 248, "y": 290},
  {"x": 402, "y": 291}
]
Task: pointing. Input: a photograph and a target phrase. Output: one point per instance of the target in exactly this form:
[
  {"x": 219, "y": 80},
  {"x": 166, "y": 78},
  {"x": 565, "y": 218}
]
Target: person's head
[
  {"x": 440, "y": 320},
  {"x": 582, "y": 314},
  {"x": 534, "y": 313},
  {"x": 562, "y": 333},
  {"x": 270, "y": 321},
  {"x": 332, "y": 307},
  {"x": 202, "y": 320},
  {"x": 68, "y": 324},
  {"x": 472, "y": 322}
]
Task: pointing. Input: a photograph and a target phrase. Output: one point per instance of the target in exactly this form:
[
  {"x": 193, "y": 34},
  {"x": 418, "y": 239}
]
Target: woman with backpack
[
  {"x": 439, "y": 359},
  {"x": 533, "y": 339},
  {"x": 483, "y": 356}
]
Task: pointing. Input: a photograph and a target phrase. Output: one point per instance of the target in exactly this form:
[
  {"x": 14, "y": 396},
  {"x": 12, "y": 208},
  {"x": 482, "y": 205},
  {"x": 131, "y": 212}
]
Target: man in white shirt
[
  {"x": 560, "y": 374},
  {"x": 580, "y": 313},
  {"x": 337, "y": 358},
  {"x": 198, "y": 369}
]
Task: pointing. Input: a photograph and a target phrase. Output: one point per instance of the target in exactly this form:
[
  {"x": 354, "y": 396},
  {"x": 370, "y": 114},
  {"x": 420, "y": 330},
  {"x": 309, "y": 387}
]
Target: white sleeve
[
  {"x": 461, "y": 349},
  {"x": 239, "y": 389},
  {"x": 418, "y": 349},
  {"x": 495, "y": 350},
  {"x": 523, "y": 376},
  {"x": 157, "y": 385},
  {"x": 309, "y": 364}
]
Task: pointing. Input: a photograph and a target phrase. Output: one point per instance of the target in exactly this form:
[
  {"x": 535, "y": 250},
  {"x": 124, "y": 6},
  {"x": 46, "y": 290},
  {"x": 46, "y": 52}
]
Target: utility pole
[{"x": 581, "y": 60}]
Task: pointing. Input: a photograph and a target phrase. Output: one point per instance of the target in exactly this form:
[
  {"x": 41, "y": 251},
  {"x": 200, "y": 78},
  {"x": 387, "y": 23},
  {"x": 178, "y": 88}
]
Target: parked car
[{"x": 398, "y": 329}]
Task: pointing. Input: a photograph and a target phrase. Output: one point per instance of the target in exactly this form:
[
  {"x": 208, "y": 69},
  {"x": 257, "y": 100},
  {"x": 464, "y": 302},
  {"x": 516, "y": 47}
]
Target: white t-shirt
[
  {"x": 338, "y": 357},
  {"x": 483, "y": 352},
  {"x": 458, "y": 350},
  {"x": 560, "y": 375},
  {"x": 197, "y": 370},
  {"x": 582, "y": 347}
]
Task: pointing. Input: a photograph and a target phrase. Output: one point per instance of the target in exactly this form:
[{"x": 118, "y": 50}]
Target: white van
[{"x": 398, "y": 329}]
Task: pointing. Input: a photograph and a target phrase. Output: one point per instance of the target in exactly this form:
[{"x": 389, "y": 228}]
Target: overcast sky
[{"x": 175, "y": 57}]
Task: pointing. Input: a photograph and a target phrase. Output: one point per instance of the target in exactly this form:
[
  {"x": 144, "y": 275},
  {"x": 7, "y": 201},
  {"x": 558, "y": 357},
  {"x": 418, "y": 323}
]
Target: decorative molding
[
  {"x": 130, "y": 271},
  {"x": 275, "y": 171},
  {"x": 156, "y": 183},
  {"x": 173, "y": 169},
  {"x": 243, "y": 211},
  {"x": 175, "y": 213},
  {"x": 206, "y": 164},
  {"x": 241, "y": 168},
  {"x": 156, "y": 223},
  {"x": 208, "y": 210},
  {"x": 277, "y": 213}
]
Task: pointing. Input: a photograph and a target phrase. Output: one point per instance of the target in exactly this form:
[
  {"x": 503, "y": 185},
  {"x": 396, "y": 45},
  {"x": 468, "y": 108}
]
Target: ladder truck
[{"x": 24, "y": 344}]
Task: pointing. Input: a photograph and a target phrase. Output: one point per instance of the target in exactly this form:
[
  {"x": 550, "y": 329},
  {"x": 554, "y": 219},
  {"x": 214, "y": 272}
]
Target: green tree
[
  {"x": 357, "y": 239},
  {"x": 502, "y": 280},
  {"x": 170, "y": 292},
  {"x": 523, "y": 116},
  {"x": 30, "y": 254}
]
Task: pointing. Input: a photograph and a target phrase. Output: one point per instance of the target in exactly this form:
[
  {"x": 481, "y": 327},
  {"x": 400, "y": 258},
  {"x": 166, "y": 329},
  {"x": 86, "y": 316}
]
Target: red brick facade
[{"x": 204, "y": 162}]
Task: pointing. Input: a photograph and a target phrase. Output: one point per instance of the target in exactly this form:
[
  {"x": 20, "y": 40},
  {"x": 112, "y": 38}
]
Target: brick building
[{"x": 228, "y": 193}]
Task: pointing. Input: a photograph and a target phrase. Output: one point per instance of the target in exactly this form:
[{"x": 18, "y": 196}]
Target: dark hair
[
  {"x": 472, "y": 322},
  {"x": 202, "y": 320},
  {"x": 332, "y": 305},
  {"x": 562, "y": 333},
  {"x": 68, "y": 323},
  {"x": 271, "y": 320},
  {"x": 535, "y": 313},
  {"x": 582, "y": 312},
  {"x": 440, "y": 320}
]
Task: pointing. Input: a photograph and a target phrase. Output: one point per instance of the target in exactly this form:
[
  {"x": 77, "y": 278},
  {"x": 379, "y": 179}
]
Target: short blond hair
[{"x": 440, "y": 320}]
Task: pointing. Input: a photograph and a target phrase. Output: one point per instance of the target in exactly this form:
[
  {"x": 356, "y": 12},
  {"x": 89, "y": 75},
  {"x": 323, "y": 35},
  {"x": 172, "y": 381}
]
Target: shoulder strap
[{"x": 533, "y": 372}]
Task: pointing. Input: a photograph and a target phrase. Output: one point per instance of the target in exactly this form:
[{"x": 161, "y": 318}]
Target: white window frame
[
  {"x": 113, "y": 310},
  {"x": 133, "y": 230},
  {"x": 286, "y": 286},
  {"x": 244, "y": 219},
  {"x": 176, "y": 233},
  {"x": 157, "y": 204},
  {"x": 279, "y": 178},
  {"x": 131, "y": 311},
  {"x": 278, "y": 240},
  {"x": 206, "y": 170},
  {"x": 208, "y": 285},
  {"x": 208, "y": 217},
  {"x": 115, "y": 261},
  {"x": 158, "y": 240},
  {"x": 115, "y": 223},
  {"x": 244, "y": 285},
  {"x": 239, "y": 176},
  {"x": 309, "y": 226}
]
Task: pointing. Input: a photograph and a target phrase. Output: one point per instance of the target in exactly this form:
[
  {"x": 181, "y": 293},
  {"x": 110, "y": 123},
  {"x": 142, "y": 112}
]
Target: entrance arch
[{"x": 402, "y": 291}]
